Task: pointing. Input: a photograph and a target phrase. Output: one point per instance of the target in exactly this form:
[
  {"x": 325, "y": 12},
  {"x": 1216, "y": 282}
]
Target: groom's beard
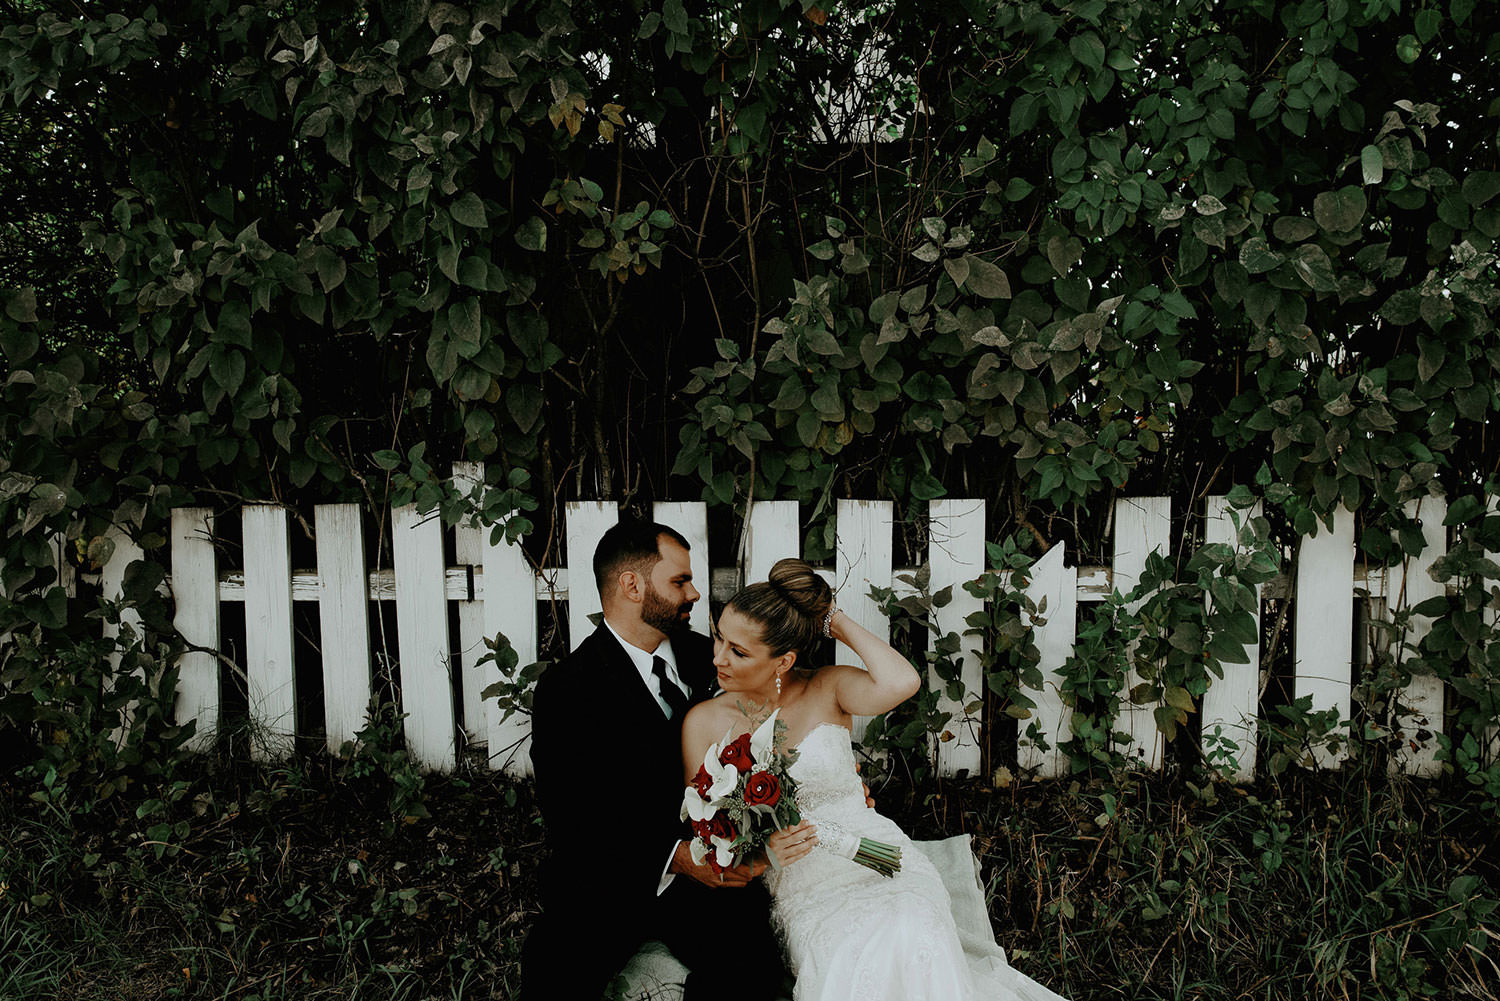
[{"x": 662, "y": 615}]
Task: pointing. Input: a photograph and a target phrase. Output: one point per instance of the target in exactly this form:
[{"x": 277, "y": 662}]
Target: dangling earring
[{"x": 778, "y": 688}]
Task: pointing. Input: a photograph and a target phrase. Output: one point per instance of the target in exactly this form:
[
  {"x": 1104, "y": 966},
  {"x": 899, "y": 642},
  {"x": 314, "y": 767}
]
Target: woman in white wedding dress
[{"x": 850, "y": 934}]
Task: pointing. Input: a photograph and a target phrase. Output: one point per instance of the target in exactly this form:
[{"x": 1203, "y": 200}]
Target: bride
[{"x": 848, "y": 932}]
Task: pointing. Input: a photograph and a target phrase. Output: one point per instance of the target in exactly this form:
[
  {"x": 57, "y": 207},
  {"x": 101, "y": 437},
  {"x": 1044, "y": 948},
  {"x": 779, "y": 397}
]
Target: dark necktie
[{"x": 670, "y": 693}]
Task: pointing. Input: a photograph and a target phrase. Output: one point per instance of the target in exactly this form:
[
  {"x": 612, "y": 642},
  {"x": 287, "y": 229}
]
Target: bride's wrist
[{"x": 833, "y": 622}]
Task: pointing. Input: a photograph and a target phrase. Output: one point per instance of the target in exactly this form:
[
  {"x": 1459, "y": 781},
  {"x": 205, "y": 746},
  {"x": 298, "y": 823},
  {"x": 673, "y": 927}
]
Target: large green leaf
[
  {"x": 472, "y": 383},
  {"x": 1339, "y": 211},
  {"x": 331, "y": 268},
  {"x": 469, "y": 210},
  {"x": 464, "y": 324},
  {"x": 986, "y": 279},
  {"x": 234, "y": 324},
  {"x": 1402, "y": 307},
  {"x": 20, "y": 304},
  {"x": 1294, "y": 229},
  {"x": 1480, "y": 186},
  {"x": 524, "y": 403},
  {"x": 1312, "y": 265},
  {"x": 1257, "y": 257},
  {"x": 532, "y": 234}
]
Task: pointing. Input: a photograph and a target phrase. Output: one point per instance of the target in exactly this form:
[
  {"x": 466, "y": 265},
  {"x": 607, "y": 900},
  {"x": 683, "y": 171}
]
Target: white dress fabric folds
[{"x": 853, "y": 935}]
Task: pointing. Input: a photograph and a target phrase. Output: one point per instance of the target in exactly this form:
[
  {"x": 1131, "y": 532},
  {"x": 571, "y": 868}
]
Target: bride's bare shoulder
[{"x": 708, "y": 715}]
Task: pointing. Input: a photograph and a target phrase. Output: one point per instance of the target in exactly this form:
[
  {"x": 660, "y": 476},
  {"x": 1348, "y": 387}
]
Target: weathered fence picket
[
  {"x": 1143, "y": 525},
  {"x": 422, "y": 637},
  {"x": 863, "y": 553},
  {"x": 771, "y": 532},
  {"x": 439, "y": 678},
  {"x": 952, "y": 559},
  {"x": 586, "y": 522},
  {"x": 195, "y": 582},
  {"x": 112, "y": 586},
  {"x": 1054, "y": 588},
  {"x": 468, "y": 551},
  {"x": 269, "y": 662},
  {"x": 344, "y": 620},
  {"x": 1230, "y": 705},
  {"x": 1410, "y": 585},
  {"x": 508, "y": 592},
  {"x": 1323, "y": 630}
]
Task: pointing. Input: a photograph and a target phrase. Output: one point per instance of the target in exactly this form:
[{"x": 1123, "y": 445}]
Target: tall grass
[
  {"x": 287, "y": 883},
  {"x": 313, "y": 882}
]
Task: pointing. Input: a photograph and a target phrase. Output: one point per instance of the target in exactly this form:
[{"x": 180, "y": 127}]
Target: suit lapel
[
  {"x": 694, "y": 665},
  {"x": 638, "y": 700},
  {"x": 694, "y": 657}
]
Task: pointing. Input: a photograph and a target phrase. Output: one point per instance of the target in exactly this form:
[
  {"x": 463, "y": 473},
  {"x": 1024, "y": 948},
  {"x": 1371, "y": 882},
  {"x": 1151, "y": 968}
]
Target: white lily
[
  {"x": 723, "y": 779},
  {"x": 722, "y": 853},
  {"x": 697, "y": 850},
  {"x": 762, "y": 739},
  {"x": 694, "y": 806}
]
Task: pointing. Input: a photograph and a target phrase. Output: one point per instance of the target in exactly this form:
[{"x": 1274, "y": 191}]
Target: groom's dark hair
[{"x": 630, "y": 544}]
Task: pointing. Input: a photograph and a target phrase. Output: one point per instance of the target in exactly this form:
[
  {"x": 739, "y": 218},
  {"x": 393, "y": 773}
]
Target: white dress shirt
[{"x": 642, "y": 661}]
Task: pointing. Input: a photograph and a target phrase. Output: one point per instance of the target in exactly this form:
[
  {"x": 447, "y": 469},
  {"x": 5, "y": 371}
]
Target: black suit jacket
[{"x": 609, "y": 776}]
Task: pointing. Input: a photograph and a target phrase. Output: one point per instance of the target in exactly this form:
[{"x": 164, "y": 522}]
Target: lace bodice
[{"x": 824, "y": 769}]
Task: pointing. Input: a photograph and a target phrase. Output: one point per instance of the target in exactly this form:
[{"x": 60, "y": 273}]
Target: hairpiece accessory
[{"x": 828, "y": 620}]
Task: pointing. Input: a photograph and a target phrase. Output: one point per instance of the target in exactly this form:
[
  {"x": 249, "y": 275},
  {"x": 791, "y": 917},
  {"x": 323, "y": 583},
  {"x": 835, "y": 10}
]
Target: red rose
[
  {"x": 737, "y": 754},
  {"x": 702, "y": 781},
  {"x": 703, "y": 830},
  {"x": 762, "y": 789},
  {"x": 722, "y": 827}
]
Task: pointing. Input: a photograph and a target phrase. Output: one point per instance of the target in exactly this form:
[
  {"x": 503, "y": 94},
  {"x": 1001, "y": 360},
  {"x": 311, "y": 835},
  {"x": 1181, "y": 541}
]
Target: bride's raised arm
[{"x": 890, "y": 679}]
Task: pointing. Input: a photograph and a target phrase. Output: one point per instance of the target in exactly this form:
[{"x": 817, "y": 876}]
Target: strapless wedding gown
[{"x": 854, "y": 935}]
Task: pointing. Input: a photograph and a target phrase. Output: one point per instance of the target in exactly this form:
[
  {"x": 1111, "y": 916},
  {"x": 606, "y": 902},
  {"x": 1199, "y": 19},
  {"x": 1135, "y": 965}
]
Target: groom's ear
[{"x": 628, "y": 585}]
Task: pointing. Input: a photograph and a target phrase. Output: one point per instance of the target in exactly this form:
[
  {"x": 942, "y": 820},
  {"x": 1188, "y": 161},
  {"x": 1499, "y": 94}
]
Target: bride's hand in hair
[{"x": 837, "y": 626}]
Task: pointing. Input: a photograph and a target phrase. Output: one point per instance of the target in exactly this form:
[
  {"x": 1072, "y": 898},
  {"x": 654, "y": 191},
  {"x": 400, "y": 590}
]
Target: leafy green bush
[{"x": 321, "y": 251}]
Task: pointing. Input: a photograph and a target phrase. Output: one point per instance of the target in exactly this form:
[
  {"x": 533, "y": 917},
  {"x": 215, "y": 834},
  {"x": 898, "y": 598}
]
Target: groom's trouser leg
[
  {"x": 724, "y": 938},
  {"x": 573, "y": 956}
]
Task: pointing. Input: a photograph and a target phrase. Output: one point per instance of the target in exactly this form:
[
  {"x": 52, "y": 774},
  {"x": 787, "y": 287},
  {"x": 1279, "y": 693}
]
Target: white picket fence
[{"x": 497, "y": 591}]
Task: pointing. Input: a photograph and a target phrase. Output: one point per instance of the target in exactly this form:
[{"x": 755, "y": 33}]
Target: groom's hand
[
  {"x": 738, "y": 876},
  {"x": 869, "y": 800}
]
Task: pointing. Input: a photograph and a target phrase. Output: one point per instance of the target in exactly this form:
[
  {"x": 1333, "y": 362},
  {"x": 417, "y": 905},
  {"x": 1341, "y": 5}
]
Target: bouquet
[{"x": 743, "y": 793}]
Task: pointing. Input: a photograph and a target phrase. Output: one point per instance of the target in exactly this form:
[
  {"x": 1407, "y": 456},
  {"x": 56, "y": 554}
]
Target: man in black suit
[{"x": 606, "y": 748}]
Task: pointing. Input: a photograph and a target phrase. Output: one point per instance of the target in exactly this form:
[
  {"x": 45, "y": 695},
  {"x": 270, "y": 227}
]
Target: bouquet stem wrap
[
  {"x": 877, "y": 855},
  {"x": 883, "y": 858}
]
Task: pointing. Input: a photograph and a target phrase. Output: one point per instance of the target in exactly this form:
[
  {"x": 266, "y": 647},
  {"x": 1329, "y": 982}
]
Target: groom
[{"x": 607, "y": 752}]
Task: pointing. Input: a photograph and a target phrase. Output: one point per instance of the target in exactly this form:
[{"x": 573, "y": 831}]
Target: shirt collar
[{"x": 642, "y": 659}]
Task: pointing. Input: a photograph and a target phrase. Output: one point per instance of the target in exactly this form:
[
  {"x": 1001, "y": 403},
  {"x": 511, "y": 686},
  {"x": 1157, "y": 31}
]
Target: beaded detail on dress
[{"x": 826, "y": 776}]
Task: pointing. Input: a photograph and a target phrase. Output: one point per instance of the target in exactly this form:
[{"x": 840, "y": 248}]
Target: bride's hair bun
[
  {"x": 789, "y": 606},
  {"x": 802, "y": 586}
]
